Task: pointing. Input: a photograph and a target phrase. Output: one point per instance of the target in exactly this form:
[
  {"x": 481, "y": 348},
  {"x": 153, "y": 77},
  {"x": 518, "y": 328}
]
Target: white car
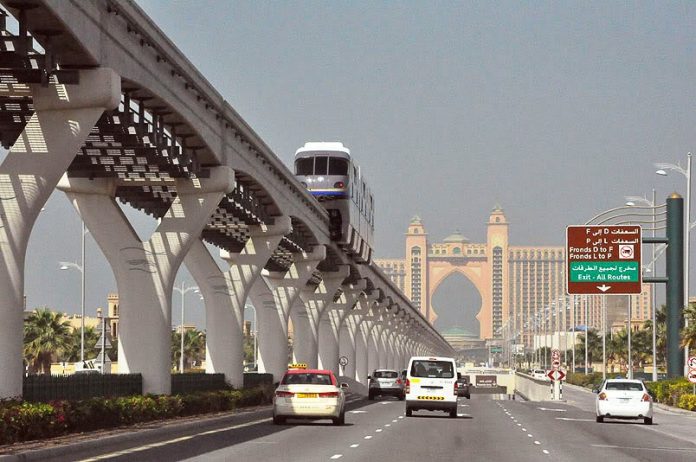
[
  {"x": 309, "y": 394},
  {"x": 431, "y": 384},
  {"x": 539, "y": 374},
  {"x": 624, "y": 399}
]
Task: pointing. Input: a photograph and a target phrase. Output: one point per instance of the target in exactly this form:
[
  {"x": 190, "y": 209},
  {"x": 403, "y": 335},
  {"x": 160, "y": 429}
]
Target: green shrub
[
  {"x": 592, "y": 380},
  {"x": 23, "y": 421},
  {"x": 688, "y": 402}
]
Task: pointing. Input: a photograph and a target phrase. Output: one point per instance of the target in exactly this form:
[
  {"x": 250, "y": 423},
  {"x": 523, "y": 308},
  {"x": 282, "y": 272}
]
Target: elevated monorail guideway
[{"x": 123, "y": 115}]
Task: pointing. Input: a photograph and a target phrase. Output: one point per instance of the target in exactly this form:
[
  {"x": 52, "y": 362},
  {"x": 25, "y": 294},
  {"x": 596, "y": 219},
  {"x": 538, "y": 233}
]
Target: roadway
[{"x": 487, "y": 429}]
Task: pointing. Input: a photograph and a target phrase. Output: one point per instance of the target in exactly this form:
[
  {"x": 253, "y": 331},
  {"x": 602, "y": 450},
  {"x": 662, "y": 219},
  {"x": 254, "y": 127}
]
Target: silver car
[{"x": 385, "y": 382}]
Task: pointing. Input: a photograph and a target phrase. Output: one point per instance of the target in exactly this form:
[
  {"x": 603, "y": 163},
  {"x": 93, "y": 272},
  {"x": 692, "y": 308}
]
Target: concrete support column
[
  {"x": 274, "y": 295},
  {"x": 349, "y": 334},
  {"x": 330, "y": 325},
  {"x": 306, "y": 315},
  {"x": 361, "y": 352},
  {"x": 226, "y": 292},
  {"x": 63, "y": 117},
  {"x": 145, "y": 271}
]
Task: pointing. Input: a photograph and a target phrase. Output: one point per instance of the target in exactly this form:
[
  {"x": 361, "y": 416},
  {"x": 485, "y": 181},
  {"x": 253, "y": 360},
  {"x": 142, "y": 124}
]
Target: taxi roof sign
[{"x": 297, "y": 366}]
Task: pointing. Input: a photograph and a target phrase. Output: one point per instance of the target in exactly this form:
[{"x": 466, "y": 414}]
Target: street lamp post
[
  {"x": 65, "y": 265},
  {"x": 632, "y": 200},
  {"x": 662, "y": 170},
  {"x": 183, "y": 290}
]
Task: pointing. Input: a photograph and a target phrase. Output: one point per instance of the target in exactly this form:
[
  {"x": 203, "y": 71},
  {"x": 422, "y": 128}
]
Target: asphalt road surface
[{"x": 488, "y": 428}]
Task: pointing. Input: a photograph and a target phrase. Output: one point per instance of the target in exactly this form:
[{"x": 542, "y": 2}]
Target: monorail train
[{"x": 330, "y": 175}]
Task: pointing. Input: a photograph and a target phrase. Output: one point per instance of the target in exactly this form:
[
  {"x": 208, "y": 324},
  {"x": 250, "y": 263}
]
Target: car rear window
[
  {"x": 624, "y": 386},
  {"x": 386, "y": 374},
  {"x": 306, "y": 379},
  {"x": 432, "y": 369}
]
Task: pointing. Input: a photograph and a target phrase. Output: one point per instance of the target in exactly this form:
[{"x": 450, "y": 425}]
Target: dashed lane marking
[
  {"x": 545, "y": 451},
  {"x": 358, "y": 412},
  {"x": 336, "y": 456},
  {"x": 530, "y": 435},
  {"x": 536, "y": 442},
  {"x": 524, "y": 429},
  {"x": 378, "y": 430},
  {"x": 574, "y": 420},
  {"x": 368, "y": 437},
  {"x": 354, "y": 445},
  {"x": 387, "y": 425},
  {"x": 552, "y": 409}
]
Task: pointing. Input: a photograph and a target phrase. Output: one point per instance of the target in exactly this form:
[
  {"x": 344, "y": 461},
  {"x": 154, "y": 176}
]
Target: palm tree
[
  {"x": 72, "y": 353},
  {"x": 46, "y": 338},
  {"x": 194, "y": 348},
  {"x": 688, "y": 337}
]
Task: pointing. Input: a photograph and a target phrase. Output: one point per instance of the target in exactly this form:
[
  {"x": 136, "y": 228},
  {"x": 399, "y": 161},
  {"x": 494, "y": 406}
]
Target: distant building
[{"x": 522, "y": 288}]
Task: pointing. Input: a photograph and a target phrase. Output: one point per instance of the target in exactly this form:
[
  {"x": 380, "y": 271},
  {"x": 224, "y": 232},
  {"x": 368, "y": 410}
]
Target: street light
[
  {"x": 631, "y": 202},
  {"x": 663, "y": 168},
  {"x": 65, "y": 265},
  {"x": 183, "y": 290}
]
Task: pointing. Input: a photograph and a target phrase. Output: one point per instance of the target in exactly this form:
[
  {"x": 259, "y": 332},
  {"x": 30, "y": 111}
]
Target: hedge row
[
  {"x": 23, "y": 421},
  {"x": 673, "y": 392}
]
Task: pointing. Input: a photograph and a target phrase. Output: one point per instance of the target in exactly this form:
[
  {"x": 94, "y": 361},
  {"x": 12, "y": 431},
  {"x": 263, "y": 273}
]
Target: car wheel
[
  {"x": 278, "y": 420},
  {"x": 340, "y": 420},
  {"x": 409, "y": 412},
  {"x": 647, "y": 420},
  {"x": 600, "y": 419},
  {"x": 453, "y": 413}
]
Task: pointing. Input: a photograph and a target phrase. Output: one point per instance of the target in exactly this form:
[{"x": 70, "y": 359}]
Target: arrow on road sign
[
  {"x": 692, "y": 362},
  {"x": 556, "y": 374},
  {"x": 604, "y": 287}
]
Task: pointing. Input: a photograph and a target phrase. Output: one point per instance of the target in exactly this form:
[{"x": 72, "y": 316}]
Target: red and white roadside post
[{"x": 556, "y": 375}]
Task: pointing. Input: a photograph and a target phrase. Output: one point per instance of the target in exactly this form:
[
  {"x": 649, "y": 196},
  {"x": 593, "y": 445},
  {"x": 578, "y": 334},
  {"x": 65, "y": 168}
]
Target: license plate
[{"x": 307, "y": 395}]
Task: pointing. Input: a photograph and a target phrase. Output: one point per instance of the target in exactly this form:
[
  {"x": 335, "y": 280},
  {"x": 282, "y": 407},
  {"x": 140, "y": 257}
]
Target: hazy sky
[{"x": 554, "y": 110}]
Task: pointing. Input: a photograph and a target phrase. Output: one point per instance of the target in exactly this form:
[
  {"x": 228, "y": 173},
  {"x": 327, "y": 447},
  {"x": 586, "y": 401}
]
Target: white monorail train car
[{"x": 330, "y": 175}]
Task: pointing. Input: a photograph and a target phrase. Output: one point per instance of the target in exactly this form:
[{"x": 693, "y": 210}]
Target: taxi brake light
[
  {"x": 646, "y": 397},
  {"x": 328, "y": 394},
  {"x": 284, "y": 394},
  {"x": 602, "y": 396},
  {"x": 407, "y": 387}
]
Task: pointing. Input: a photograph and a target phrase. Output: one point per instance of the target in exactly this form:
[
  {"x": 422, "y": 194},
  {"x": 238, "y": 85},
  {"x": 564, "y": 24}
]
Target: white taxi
[
  {"x": 624, "y": 399},
  {"x": 309, "y": 394}
]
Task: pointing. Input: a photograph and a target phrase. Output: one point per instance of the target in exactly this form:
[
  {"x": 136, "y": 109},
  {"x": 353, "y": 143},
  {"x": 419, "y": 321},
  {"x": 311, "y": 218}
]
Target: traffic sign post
[
  {"x": 691, "y": 372},
  {"x": 556, "y": 376},
  {"x": 603, "y": 260}
]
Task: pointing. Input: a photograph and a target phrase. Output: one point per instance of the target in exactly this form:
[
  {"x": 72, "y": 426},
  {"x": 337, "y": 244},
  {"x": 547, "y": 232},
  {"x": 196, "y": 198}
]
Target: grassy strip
[{"x": 24, "y": 421}]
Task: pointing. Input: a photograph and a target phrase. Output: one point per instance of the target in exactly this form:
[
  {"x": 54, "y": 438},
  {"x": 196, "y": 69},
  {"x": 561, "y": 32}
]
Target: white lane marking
[
  {"x": 394, "y": 420},
  {"x": 401, "y": 417},
  {"x": 172, "y": 441},
  {"x": 387, "y": 425},
  {"x": 358, "y": 412},
  {"x": 574, "y": 420},
  {"x": 385, "y": 402},
  {"x": 524, "y": 429},
  {"x": 368, "y": 437},
  {"x": 611, "y": 446},
  {"x": 463, "y": 405},
  {"x": 354, "y": 445},
  {"x": 536, "y": 442},
  {"x": 336, "y": 456},
  {"x": 519, "y": 424},
  {"x": 378, "y": 430},
  {"x": 552, "y": 409},
  {"x": 530, "y": 435},
  {"x": 545, "y": 451}
]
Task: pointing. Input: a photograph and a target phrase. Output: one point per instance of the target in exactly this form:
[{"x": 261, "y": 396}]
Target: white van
[{"x": 431, "y": 383}]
